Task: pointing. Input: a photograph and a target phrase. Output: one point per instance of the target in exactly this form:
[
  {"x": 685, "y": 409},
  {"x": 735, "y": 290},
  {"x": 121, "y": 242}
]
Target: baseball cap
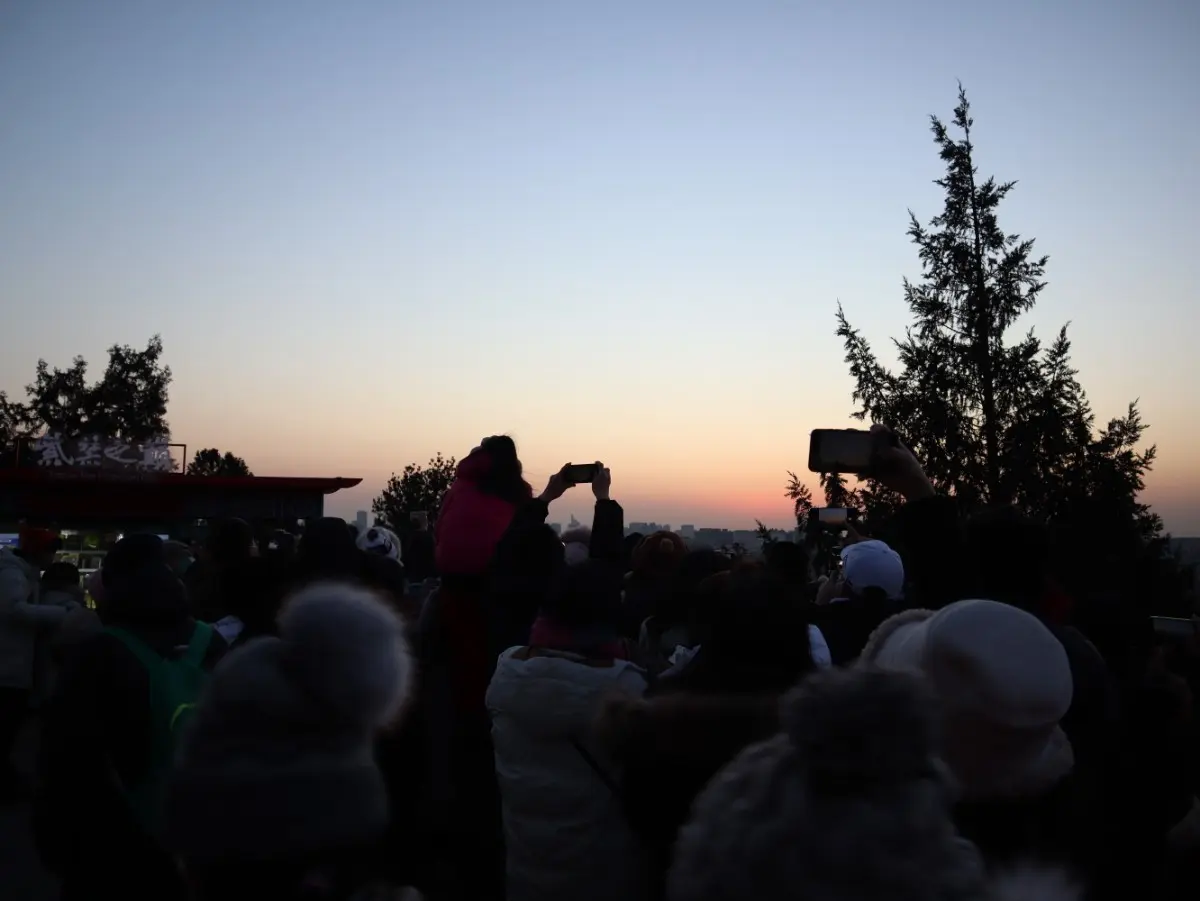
[{"x": 872, "y": 564}]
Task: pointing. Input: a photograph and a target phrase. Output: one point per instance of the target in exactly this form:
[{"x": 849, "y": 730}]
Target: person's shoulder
[
  {"x": 218, "y": 647},
  {"x": 98, "y": 660},
  {"x": 384, "y": 574},
  {"x": 854, "y": 608},
  {"x": 457, "y": 489},
  {"x": 460, "y": 504},
  {"x": 99, "y": 643},
  {"x": 79, "y": 624},
  {"x": 496, "y": 508},
  {"x": 420, "y": 538},
  {"x": 12, "y": 574},
  {"x": 198, "y": 572},
  {"x": 59, "y": 597},
  {"x": 111, "y": 643}
]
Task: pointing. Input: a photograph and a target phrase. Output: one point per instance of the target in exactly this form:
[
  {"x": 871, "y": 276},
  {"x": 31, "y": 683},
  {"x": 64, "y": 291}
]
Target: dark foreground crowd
[{"x": 594, "y": 717}]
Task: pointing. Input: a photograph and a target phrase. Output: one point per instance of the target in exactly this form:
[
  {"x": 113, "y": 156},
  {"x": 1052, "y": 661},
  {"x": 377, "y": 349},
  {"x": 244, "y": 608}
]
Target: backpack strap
[
  {"x": 142, "y": 651},
  {"x": 197, "y": 647},
  {"x": 594, "y": 765},
  {"x": 199, "y": 644}
]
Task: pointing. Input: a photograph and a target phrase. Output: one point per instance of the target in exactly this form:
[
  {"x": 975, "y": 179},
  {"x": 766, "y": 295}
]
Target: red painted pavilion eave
[{"x": 30, "y": 476}]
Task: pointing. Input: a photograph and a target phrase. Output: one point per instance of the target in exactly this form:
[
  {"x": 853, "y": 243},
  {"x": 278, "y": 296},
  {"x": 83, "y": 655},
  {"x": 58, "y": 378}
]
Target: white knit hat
[
  {"x": 1003, "y": 682},
  {"x": 849, "y": 802},
  {"x": 279, "y": 758}
]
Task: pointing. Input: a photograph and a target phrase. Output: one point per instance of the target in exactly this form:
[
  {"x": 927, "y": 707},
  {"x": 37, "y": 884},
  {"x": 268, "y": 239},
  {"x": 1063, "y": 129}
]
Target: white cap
[
  {"x": 872, "y": 564},
  {"x": 1003, "y": 681}
]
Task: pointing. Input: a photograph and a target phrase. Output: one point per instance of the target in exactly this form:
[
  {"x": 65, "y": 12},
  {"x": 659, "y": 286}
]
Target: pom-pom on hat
[{"x": 278, "y": 760}]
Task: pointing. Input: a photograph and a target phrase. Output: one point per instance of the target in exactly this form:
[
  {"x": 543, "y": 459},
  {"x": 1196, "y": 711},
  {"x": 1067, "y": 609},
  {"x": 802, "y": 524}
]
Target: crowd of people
[{"x": 593, "y": 716}]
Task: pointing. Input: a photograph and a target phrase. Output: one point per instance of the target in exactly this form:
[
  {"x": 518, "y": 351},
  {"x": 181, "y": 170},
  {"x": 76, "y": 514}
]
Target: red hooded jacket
[
  {"x": 469, "y": 527},
  {"x": 471, "y": 523}
]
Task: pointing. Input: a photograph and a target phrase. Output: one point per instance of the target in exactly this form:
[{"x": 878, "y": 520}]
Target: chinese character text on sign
[{"x": 53, "y": 449}]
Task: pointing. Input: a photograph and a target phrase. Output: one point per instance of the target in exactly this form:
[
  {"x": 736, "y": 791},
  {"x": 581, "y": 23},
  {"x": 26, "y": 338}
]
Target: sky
[{"x": 371, "y": 231}]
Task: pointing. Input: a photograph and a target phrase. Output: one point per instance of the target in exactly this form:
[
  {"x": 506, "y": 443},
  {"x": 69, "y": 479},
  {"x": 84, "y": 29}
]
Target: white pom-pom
[{"x": 348, "y": 649}]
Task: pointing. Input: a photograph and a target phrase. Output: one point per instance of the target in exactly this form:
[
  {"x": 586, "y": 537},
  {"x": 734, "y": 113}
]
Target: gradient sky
[{"x": 369, "y": 231}]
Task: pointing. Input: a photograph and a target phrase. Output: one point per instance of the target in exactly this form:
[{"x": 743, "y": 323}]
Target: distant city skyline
[{"x": 687, "y": 531}]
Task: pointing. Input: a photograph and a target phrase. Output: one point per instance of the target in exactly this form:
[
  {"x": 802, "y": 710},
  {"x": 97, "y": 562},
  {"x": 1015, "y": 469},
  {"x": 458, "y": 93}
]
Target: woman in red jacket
[{"x": 476, "y": 512}]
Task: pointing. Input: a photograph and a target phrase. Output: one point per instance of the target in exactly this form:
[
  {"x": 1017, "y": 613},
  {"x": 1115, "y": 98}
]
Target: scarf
[{"x": 592, "y": 641}]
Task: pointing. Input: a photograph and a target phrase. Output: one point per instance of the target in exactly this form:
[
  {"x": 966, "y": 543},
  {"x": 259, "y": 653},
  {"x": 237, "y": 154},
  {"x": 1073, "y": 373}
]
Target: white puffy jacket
[
  {"x": 565, "y": 832},
  {"x": 21, "y": 617}
]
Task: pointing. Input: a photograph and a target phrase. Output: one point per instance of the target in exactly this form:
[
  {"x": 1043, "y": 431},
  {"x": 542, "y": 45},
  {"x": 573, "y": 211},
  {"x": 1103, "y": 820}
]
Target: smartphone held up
[
  {"x": 830, "y": 521},
  {"x": 1176, "y": 627},
  {"x": 847, "y": 450},
  {"x": 581, "y": 473},
  {"x": 834, "y": 517}
]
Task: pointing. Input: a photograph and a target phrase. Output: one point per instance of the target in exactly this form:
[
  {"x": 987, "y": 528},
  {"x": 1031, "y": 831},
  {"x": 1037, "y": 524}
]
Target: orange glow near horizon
[{"x": 702, "y": 492}]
